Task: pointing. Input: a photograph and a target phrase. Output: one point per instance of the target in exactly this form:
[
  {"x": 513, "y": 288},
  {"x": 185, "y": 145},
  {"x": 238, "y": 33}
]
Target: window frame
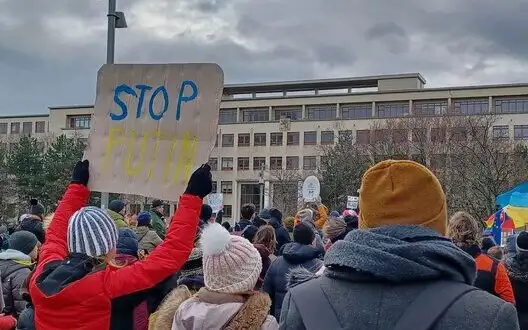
[
  {"x": 306, "y": 133},
  {"x": 244, "y": 136},
  {"x": 224, "y": 166},
  {"x": 276, "y": 139},
  {"x": 243, "y": 159},
  {"x": 257, "y": 136},
  {"x": 227, "y": 144}
]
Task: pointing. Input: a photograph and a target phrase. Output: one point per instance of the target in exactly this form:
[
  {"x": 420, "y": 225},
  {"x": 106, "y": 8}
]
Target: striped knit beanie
[
  {"x": 91, "y": 231},
  {"x": 231, "y": 264}
]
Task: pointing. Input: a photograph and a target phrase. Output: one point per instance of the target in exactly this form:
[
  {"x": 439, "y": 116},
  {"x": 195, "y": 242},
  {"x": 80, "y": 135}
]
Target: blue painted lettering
[
  {"x": 158, "y": 90},
  {"x": 142, "y": 89},
  {"x": 183, "y": 98},
  {"x": 124, "y": 110}
]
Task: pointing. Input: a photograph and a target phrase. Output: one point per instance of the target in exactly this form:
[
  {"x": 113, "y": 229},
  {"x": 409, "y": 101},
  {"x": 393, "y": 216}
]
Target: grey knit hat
[{"x": 92, "y": 232}]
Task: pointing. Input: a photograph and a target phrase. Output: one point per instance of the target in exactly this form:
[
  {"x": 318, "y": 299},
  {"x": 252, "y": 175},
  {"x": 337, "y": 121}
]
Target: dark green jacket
[{"x": 158, "y": 224}]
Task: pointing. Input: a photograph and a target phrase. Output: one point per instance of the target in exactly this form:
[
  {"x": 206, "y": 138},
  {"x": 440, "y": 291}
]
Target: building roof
[
  {"x": 40, "y": 115},
  {"x": 81, "y": 106},
  {"x": 312, "y": 84}
]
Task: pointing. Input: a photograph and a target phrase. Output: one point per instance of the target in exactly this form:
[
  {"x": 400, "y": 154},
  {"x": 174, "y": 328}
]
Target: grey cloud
[{"x": 450, "y": 42}]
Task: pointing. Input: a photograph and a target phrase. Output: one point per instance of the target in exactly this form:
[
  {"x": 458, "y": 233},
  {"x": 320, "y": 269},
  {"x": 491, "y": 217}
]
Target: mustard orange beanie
[{"x": 402, "y": 192}]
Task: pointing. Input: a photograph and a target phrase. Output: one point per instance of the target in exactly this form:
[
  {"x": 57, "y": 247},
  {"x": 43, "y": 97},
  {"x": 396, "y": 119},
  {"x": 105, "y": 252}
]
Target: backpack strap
[
  {"x": 431, "y": 304},
  {"x": 316, "y": 311}
]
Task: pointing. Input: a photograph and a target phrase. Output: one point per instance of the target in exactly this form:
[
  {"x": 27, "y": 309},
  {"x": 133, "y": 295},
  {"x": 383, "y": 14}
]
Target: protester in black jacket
[
  {"x": 283, "y": 237},
  {"x": 247, "y": 213},
  {"x": 300, "y": 253}
]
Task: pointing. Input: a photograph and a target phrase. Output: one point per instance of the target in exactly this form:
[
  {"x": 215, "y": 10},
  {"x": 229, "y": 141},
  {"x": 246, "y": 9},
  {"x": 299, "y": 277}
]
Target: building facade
[{"x": 266, "y": 128}]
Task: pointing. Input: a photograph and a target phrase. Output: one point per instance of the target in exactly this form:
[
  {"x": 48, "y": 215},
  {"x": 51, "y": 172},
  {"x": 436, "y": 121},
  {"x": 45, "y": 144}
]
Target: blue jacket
[
  {"x": 293, "y": 255},
  {"x": 281, "y": 234}
]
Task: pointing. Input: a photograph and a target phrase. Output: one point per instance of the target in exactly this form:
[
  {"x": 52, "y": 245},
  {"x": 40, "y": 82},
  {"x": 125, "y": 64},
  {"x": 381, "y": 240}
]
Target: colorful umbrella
[{"x": 514, "y": 215}]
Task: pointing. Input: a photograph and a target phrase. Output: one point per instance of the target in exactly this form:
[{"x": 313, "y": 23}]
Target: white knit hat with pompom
[{"x": 231, "y": 264}]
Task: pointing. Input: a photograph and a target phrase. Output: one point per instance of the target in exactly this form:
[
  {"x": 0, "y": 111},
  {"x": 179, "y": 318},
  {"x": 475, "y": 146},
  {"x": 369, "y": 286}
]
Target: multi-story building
[{"x": 265, "y": 127}]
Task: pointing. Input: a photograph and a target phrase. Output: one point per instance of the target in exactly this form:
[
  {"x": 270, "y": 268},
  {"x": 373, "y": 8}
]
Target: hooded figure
[
  {"x": 158, "y": 220},
  {"x": 281, "y": 234},
  {"x": 300, "y": 253},
  {"x": 148, "y": 238},
  {"x": 15, "y": 265},
  {"x": 33, "y": 220},
  {"x": 116, "y": 210},
  {"x": 516, "y": 264},
  {"x": 399, "y": 253}
]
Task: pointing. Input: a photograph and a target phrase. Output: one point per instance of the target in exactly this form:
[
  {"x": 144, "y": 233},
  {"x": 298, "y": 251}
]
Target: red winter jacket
[{"x": 84, "y": 302}]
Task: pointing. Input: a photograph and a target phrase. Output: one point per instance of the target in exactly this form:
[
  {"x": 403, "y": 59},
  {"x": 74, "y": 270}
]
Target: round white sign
[{"x": 311, "y": 189}]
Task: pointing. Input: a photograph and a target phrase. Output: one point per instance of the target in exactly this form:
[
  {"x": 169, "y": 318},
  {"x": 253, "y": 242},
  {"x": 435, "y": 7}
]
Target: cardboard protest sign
[
  {"x": 153, "y": 125},
  {"x": 215, "y": 201},
  {"x": 352, "y": 202}
]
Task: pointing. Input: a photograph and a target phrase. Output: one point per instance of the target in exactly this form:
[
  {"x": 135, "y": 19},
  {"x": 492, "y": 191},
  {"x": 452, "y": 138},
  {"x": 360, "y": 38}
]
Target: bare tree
[
  {"x": 473, "y": 165},
  {"x": 285, "y": 190}
]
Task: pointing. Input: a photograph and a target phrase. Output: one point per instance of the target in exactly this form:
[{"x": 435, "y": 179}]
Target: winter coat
[
  {"x": 495, "y": 282},
  {"x": 281, "y": 234},
  {"x": 158, "y": 224},
  {"x": 242, "y": 224},
  {"x": 131, "y": 312},
  {"x": 33, "y": 224},
  {"x": 15, "y": 267},
  {"x": 26, "y": 320},
  {"x": 321, "y": 217},
  {"x": 266, "y": 262},
  {"x": 119, "y": 220},
  {"x": 517, "y": 269},
  {"x": 373, "y": 276},
  {"x": 148, "y": 238},
  {"x": 68, "y": 292},
  {"x": 212, "y": 310},
  {"x": 275, "y": 282},
  {"x": 7, "y": 322}
]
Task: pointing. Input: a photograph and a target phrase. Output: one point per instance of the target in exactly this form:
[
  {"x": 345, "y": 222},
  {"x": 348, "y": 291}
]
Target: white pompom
[{"x": 214, "y": 240}]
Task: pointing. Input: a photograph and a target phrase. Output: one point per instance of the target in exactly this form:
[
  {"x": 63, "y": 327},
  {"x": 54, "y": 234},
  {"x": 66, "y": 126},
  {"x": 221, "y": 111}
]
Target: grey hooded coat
[{"x": 373, "y": 275}]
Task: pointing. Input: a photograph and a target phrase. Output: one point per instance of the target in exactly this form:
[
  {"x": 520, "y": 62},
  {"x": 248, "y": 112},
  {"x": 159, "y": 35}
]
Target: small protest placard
[
  {"x": 215, "y": 201},
  {"x": 153, "y": 125},
  {"x": 352, "y": 202},
  {"x": 311, "y": 189}
]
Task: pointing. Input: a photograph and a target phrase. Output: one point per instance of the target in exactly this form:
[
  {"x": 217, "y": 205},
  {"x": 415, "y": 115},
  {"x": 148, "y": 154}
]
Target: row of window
[
  {"x": 364, "y": 136},
  {"x": 24, "y": 127},
  {"x": 79, "y": 122},
  {"x": 382, "y": 110},
  {"x": 259, "y": 163},
  {"x": 276, "y": 139}
]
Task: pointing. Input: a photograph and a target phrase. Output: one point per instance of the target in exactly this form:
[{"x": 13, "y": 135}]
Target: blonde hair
[
  {"x": 266, "y": 236},
  {"x": 464, "y": 230},
  {"x": 110, "y": 260},
  {"x": 47, "y": 221}
]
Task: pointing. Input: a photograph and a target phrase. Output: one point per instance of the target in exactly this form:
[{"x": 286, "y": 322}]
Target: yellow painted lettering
[
  {"x": 115, "y": 138},
  {"x": 190, "y": 160},
  {"x": 155, "y": 156},
  {"x": 141, "y": 160},
  {"x": 168, "y": 163},
  {"x": 187, "y": 152}
]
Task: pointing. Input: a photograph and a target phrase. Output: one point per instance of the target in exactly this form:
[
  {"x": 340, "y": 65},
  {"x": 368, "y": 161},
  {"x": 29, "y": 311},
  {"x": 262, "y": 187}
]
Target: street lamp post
[
  {"x": 261, "y": 186},
  {"x": 116, "y": 20}
]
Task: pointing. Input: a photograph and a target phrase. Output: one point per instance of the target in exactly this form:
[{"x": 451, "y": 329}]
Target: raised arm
[
  {"x": 170, "y": 255},
  {"x": 76, "y": 196}
]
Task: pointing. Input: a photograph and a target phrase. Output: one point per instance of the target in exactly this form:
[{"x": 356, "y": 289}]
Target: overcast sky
[{"x": 51, "y": 50}]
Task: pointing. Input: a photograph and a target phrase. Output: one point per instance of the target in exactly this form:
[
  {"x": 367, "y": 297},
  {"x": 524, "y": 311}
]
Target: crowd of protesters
[{"x": 397, "y": 262}]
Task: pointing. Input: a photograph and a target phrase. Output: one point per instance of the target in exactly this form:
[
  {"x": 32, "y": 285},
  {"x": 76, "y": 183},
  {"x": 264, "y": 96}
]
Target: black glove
[
  {"x": 81, "y": 174},
  {"x": 201, "y": 182}
]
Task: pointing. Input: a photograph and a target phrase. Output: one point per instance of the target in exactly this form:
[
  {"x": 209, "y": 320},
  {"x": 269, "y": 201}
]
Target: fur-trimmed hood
[{"x": 211, "y": 310}]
